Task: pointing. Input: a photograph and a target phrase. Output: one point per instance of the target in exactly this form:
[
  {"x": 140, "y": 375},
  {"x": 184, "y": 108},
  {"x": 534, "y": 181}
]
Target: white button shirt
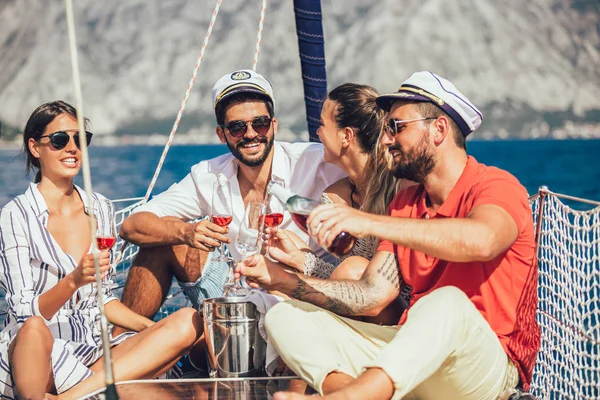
[{"x": 297, "y": 166}]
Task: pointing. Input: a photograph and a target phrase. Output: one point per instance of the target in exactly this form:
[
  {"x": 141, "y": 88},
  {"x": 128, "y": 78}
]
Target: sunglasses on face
[
  {"x": 395, "y": 125},
  {"x": 260, "y": 125},
  {"x": 60, "y": 139}
]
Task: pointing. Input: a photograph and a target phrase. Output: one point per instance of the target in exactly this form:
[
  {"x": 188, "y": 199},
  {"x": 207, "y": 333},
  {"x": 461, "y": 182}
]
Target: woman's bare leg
[
  {"x": 148, "y": 353},
  {"x": 29, "y": 355},
  {"x": 353, "y": 268}
]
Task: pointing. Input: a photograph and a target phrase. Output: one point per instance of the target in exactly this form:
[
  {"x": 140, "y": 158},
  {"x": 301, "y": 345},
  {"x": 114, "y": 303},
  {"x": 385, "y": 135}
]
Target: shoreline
[{"x": 17, "y": 145}]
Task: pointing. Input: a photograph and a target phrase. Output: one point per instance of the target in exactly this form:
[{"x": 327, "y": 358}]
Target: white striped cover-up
[{"x": 31, "y": 262}]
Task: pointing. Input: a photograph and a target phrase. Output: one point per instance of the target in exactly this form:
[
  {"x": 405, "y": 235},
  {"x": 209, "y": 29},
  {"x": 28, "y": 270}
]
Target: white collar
[{"x": 38, "y": 203}]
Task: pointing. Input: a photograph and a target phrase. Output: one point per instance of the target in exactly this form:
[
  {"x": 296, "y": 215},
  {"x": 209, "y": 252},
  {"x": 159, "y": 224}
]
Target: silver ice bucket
[{"x": 235, "y": 346}]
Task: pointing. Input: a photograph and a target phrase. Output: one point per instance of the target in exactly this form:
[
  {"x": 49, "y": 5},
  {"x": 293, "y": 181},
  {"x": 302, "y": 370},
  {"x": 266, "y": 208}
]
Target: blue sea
[{"x": 564, "y": 166}]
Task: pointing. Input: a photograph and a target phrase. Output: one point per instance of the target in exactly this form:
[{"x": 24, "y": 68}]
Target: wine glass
[
  {"x": 248, "y": 242},
  {"x": 106, "y": 230},
  {"x": 272, "y": 218},
  {"x": 221, "y": 210}
]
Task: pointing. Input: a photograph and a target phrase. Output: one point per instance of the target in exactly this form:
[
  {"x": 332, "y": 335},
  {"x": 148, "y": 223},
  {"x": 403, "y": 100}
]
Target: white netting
[
  {"x": 568, "y": 363},
  {"x": 129, "y": 251},
  {"x": 175, "y": 299}
]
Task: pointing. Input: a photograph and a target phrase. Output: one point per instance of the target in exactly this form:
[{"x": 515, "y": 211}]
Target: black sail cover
[{"x": 311, "y": 43}]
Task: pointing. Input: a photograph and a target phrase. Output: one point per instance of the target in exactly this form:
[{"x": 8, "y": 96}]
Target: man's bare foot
[
  {"x": 294, "y": 396},
  {"x": 49, "y": 396}
]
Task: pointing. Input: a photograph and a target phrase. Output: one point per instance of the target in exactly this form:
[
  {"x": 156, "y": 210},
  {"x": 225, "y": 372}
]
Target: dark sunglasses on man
[
  {"x": 60, "y": 139},
  {"x": 238, "y": 128},
  {"x": 394, "y": 126}
]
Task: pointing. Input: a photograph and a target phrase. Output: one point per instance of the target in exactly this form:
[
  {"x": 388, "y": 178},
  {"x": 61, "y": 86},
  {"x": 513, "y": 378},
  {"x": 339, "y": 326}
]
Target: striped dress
[{"x": 31, "y": 262}]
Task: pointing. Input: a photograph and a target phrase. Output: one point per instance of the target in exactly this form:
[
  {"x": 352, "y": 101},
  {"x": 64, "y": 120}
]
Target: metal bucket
[{"x": 235, "y": 346}]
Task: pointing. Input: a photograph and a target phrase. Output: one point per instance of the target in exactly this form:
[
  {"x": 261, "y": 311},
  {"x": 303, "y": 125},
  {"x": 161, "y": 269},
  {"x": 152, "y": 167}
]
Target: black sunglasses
[
  {"x": 395, "y": 125},
  {"x": 60, "y": 139},
  {"x": 260, "y": 125}
]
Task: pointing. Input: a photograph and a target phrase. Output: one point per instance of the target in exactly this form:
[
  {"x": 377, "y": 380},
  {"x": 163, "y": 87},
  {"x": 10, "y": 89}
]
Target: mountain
[{"x": 532, "y": 66}]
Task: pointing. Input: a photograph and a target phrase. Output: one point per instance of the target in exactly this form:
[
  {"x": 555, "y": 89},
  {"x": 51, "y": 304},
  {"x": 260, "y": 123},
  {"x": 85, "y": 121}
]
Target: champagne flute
[
  {"x": 248, "y": 241},
  {"x": 221, "y": 210}
]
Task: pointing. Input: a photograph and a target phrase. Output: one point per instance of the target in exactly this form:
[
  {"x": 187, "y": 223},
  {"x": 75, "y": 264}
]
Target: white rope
[
  {"x": 185, "y": 99},
  {"x": 87, "y": 184},
  {"x": 263, "y": 8},
  {"x": 544, "y": 189},
  {"x": 568, "y": 240}
]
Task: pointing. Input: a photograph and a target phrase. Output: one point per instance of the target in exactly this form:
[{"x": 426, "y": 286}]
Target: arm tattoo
[
  {"x": 389, "y": 270},
  {"x": 349, "y": 297}
]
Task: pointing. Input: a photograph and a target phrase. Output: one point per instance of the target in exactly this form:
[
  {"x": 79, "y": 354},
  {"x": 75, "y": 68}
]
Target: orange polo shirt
[{"x": 504, "y": 290}]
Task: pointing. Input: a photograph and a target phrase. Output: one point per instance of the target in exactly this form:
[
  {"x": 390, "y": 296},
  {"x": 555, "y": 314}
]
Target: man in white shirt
[{"x": 171, "y": 245}]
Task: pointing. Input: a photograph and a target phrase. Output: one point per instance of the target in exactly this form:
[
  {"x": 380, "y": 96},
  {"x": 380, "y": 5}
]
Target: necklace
[
  {"x": 358, "y": 187},
  {"x": 354, "y": 193}
]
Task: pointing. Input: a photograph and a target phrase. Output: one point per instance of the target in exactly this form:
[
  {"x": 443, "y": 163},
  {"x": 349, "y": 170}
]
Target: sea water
[{"x": 564, "y": 166}]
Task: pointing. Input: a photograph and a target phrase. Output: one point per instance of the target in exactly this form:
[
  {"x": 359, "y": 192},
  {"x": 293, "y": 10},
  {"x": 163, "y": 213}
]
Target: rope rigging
[{"x": 111, "y": 391}]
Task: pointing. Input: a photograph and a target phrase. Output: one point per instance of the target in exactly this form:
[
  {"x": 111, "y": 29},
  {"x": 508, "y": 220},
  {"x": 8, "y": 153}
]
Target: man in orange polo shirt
[{"x": 463, "y": 243}]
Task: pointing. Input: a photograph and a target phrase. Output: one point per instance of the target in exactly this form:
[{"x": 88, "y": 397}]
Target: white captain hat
[
  {"x": 244, "y": 80},
  {"x": 429, "y": 87}
]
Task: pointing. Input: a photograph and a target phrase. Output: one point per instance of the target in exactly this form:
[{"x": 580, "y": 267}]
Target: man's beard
[
  {"x": 257, "y": 159},
  {"x": 414, "y": 165}
]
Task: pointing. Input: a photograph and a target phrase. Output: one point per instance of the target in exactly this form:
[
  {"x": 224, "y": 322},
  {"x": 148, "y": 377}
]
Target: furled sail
[{"x": 311, "y": 43}]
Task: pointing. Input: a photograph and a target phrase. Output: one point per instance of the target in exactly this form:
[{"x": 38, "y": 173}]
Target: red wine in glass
[
  {"x": 272, "y": 220},
  {"x": 222, "y": 220},
  {"x": 342, "y": 243},
  {"x": 300, "y": 220},
  {"x": 105, "y": 243}
]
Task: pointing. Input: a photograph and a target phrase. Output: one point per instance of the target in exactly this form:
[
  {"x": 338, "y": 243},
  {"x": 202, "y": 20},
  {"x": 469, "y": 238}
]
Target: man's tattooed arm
[{"x": 379, "y": 285}]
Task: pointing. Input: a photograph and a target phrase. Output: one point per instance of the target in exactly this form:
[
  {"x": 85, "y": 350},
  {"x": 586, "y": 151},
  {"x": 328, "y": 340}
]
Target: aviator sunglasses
[
  {"x": 60, "y": 139},
  {"x": 395, "y": 125},
  {"x": 237, "y": 129}
]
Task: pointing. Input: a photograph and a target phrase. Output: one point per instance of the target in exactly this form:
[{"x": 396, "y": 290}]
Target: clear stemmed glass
[
  {"x": 248, "y": 241},
  {"x": 221, "y": 210},
  {"x": 273, "y": 217},
  {"x": 106, "y": 230}
]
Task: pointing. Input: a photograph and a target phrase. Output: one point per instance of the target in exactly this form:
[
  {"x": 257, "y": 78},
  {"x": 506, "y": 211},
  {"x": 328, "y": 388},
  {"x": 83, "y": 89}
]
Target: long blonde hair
[
  {"x": 356, "y": 108},
  {"x": 382, "y": 184}
]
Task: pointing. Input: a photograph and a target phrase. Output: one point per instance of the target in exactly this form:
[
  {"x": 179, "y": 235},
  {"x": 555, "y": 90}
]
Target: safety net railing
[
  {"x": 568, "y": 240},
  {"x": 126, "y": 252}
]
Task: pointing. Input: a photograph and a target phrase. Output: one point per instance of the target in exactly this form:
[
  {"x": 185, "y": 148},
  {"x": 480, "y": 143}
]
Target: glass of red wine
[
  {"x": 221, "y": 210},
  {"x": 106, "y": 230},
  {"x": 272, "y": 218}
]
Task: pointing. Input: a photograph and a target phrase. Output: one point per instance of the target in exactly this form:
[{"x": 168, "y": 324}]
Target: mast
[
  {"x": 110, "y": 392},
  {"x": 311, "y": 43}
]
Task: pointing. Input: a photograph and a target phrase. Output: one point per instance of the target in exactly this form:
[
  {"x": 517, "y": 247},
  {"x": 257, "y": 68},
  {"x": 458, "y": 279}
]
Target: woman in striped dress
[{"x": 51, "y": 339}]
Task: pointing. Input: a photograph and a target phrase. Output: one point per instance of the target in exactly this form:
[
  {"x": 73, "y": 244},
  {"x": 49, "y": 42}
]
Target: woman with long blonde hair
[{"x": 350, "y": 130}]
